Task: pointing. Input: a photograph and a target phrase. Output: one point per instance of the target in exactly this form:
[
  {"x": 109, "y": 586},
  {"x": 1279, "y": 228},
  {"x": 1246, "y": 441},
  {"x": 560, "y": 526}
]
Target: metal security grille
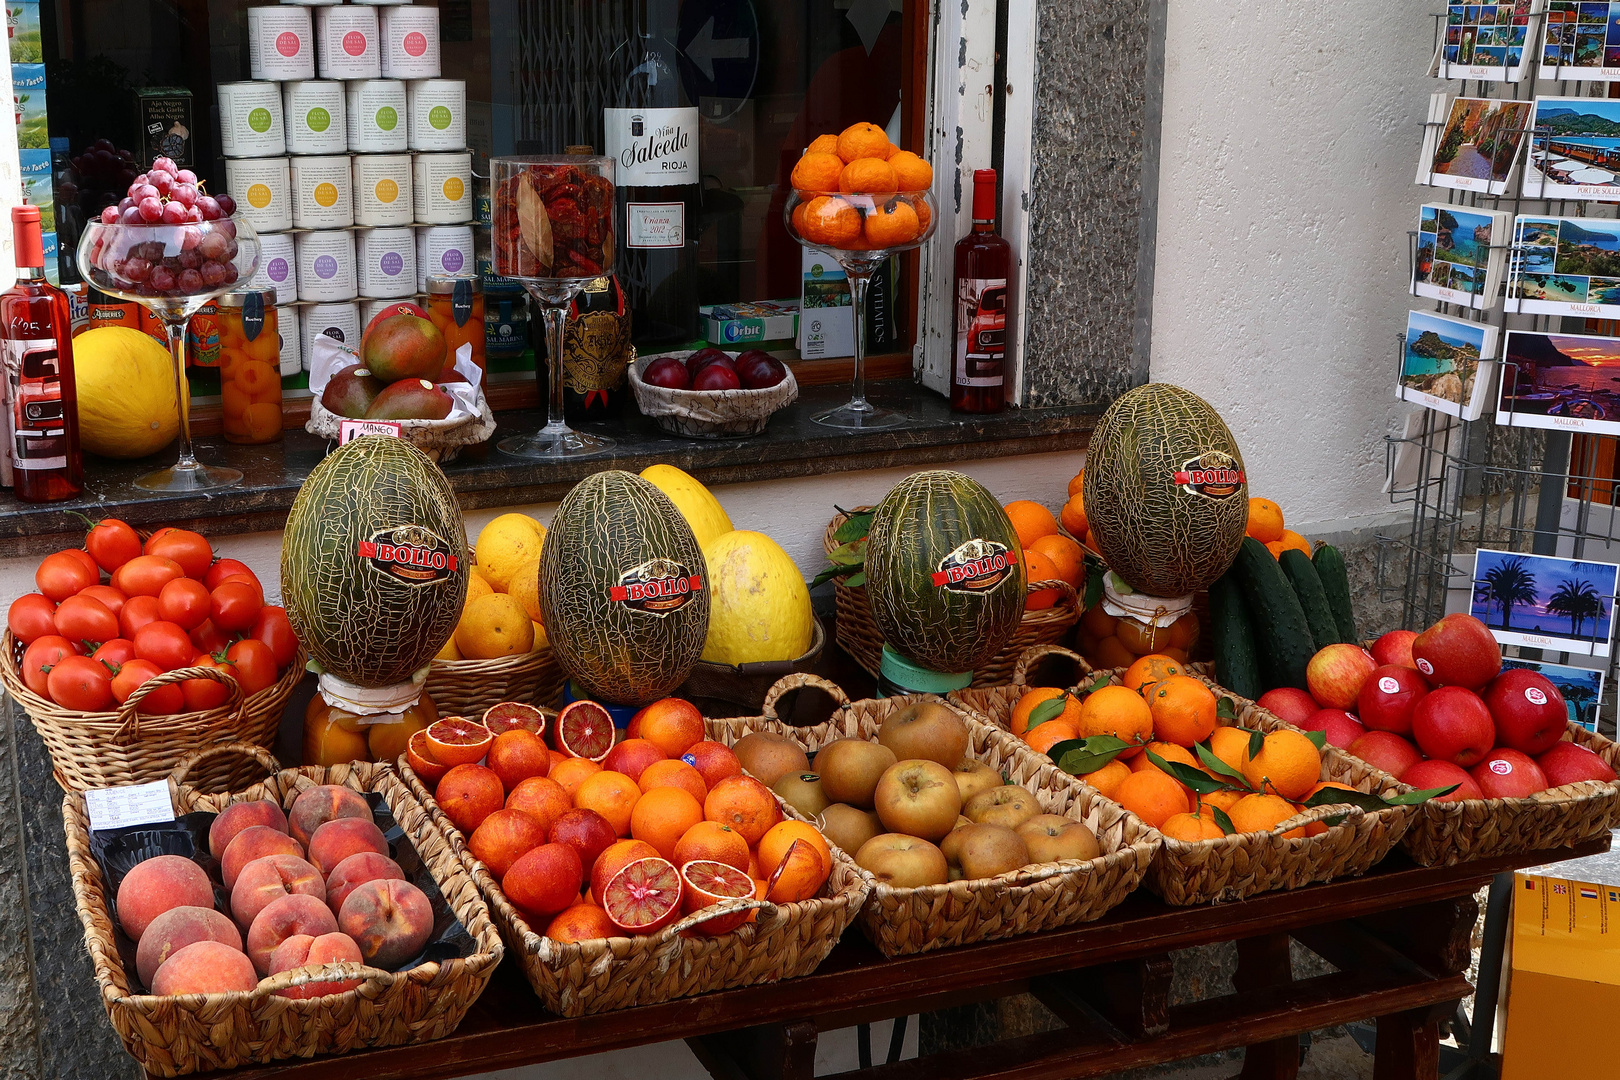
[{"x": 565, "y": 49}]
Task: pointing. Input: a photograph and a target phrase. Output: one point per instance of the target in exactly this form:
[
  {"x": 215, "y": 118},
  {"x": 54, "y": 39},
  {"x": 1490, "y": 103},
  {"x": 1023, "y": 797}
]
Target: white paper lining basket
[
  {"x": 709, "y": 414},
  {"x": 440, "y": 440}
]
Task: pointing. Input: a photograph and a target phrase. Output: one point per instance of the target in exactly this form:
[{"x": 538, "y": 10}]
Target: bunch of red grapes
[{"x": 168, "y": 195}]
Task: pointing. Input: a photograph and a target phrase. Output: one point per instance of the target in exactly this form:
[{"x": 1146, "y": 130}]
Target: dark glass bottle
[
  {"x": 596, "y": 352},
  {"x": 979, "y": 364},
  {"x": 42, "y": 405}
]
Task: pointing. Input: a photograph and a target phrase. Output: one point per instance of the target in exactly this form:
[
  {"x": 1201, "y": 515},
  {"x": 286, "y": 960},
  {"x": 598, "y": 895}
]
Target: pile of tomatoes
[{"x": 169, "y": 603}]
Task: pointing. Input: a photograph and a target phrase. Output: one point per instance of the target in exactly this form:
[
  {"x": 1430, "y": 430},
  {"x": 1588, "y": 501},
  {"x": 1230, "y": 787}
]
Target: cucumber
[
  {"x": 1282, "y": 636},
  {"x": 1236, "y": 666},
  {"x": 1329, "y": 563},
  {"x": 1297, "y": 568}
]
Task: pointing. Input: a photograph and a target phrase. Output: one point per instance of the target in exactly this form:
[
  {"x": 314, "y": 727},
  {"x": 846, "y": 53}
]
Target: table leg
[
  {"x": 769, "y": 1052},
  {"x": 1409, "y": 1045},
  {"x": 1263, "y": 962}
]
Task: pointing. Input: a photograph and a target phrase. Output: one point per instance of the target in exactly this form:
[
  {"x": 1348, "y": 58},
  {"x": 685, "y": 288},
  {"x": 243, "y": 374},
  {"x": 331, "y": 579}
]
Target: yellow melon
[
  {"x": 126, "y": 393},
  {"x": 695, "y": 502}
]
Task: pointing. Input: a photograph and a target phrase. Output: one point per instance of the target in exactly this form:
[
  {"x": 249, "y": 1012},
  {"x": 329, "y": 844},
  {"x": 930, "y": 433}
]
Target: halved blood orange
[
  {"x": 584, "y": 729},
  {"x": 455, "y": 740},
  {"x": 709, "y": 883},
  {"x": 644, "y": 897},
  {"x": 798, "y": 876},
  {"x": 511, "y": 715},
  {"x": 421, "y": 759}
]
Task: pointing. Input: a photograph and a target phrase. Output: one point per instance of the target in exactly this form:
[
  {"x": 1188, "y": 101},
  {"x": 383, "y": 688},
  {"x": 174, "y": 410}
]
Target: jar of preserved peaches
[
  {"x": 1125, "y": 625},
  {"x": 250, "y": 366},
  {"x": 456, "y": 306},
  {"x": 333, "y": 736}
]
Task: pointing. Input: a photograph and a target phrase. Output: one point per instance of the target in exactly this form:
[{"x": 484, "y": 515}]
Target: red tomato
[
  {"x": 112, "y": 543},
  {"x": 84, "y": 560},
  {"x": 40, "y": 657},
  {"x": 145, "y": 575},
  {"x": 225, "y": 569},
  {"x": 234, "y": 605},
  {"x": 61, "y": 575},
  {"x": 209, "y": 638},
  {"x": 138, "y": 611},
  {"x": 185, "y": 547},
  {"x": 165, "y": 644},
  {"x": 274, "y": 629},
  {"x": 78, "y": 682},
  {"x": 253, "y": 664},
  {"x": 109, "y": 596},
  {"x": 203, "y": 694},
  {"x": 160, "y": 701},
  {"x": 31, "y": 617},
  {"x": 117, "y": 652},
  {"x": 184, "y": 601},
  {"x": 83, "y": 618}
]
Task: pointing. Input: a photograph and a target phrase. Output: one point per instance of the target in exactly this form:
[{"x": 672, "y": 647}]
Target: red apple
[
  {"x": 667, "y": 372},
  {"x": 1442, "y": 774},
  {"x": 716, "y": 376},
  {"x": 1508, "y": 774},
  {"x": 1288, "y": 703},
  {"x": 1569, "y": 763},
  {"x": 1528, "y": 709},
  {"x": 1341, "y": 727},
  {"x": 1335, "y": 675},
  {"x": 1386, "y": 750},
  {"x": 1453, "y": 724},
  {"x": 1457, "y": 651},
  {"x": 1388, "y": 697},
  {"x": 1395, "y": 647}
]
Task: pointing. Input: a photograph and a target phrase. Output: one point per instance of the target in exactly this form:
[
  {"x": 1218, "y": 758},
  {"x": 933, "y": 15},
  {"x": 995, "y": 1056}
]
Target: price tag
[
  {"x": 121, "y": 807},
  {"x": 350, "y": 430}
]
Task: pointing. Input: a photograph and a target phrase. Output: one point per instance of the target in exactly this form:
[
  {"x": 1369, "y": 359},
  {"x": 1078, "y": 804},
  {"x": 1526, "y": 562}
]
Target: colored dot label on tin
[
  {"x": 318, "y": 119},
  {"x": 454, "y": 189},
  {"x": 325, "y": 267},
  {"x": 259, "y": 120},
  {"x": 287, "y": 43},
  {"x": 277, "y": 269},
  {"x": 354, "y": 43},
  {"x": 387, "y": 118},
  {"x": 415, "y": 43},
  {"x": 439, "y": 117},
  {"x": 326, "y": 194},
  {"x": 452, "y": 260},
  {"x": 258, "y": 196},
  {"x": 387, "y": 191},
  {"x": 391, "y": 263}
]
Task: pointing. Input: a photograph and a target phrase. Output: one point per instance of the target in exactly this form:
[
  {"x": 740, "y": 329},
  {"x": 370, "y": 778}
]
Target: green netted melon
[
  {"x": 622, "y": 590},
  {"x": 374, "y": 561},
  {"x": 1164, "y": 491},
  {"x": 944, "y": 580}
]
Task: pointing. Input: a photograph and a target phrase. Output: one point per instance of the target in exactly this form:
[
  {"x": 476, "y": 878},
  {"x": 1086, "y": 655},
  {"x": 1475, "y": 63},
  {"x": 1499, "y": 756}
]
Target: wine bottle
[
  {"x": 978, "y": 368},
  {"x": 42, "y": 405},
  {"x": 596, "y": 352}
]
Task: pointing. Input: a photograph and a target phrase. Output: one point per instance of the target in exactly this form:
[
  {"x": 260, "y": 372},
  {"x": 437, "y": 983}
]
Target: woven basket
[
  {"x": 859, "y": 637},
  {"x": 579, "y": 978},
  {"x": 468, "y": 687},
  {"x": 708, "y": 414},
  {"x": 111, "y": 749},
  {"x": 171, "y": 1036},
  {"x": 1024, "y": 901}
]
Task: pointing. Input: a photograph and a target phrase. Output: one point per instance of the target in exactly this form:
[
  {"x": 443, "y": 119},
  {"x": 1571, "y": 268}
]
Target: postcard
[
  {"x": 1582, "y": 41},
  {"x": 1545, "y": 602},
  {"x": 1565, "y": 266},
  {"x": 1461, "y": 253},
  {"x": 1570, "y": 382},
  {"x": 1582, "y": 687},
  {"x": 1446, "y": 364},
  {"x": 1574, "y": 150},
  {"x": 1476, "y": 145},
  {"x": 1490, "y": 42}
]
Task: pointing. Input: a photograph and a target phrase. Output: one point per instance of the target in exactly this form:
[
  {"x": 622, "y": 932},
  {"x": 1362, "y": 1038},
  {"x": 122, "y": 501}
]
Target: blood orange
[
  {"x": 708, "y": 883},
  {"x": 798, "y": 876},
  {"x": 584, "y": 729},
  {"x": 644, "y": 897},
  {"x": 421, "y": 759},
  {"x": 511, "y": 715},
  {"x": 455, "y": 740}
]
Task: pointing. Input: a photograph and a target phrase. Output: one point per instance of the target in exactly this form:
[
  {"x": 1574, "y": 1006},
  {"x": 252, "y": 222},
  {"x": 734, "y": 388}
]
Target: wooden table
[{"x": 1399, "y": 937}]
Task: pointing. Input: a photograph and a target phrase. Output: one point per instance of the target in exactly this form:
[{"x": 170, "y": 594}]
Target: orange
[
  {"x": 672, "y": 725},
  {"x": 1037, "y": 568},
  {"x": 1265, "y": 520},
  {"x": 869, "y": 176},
  {"x": 611, "y": 794},
  {"x": 1098, "y": 622},
  {"x": 863, "y": 140},
  {"x": 1167, "y": 751},
  {"x": 1225, "y": 799},
  {"x": 662, "y": 816},
  {"x": 1191, "y": 828},
  {"x": 913, "y": 172},
  {"x": 824, "y": 144},
  {"x": 745, "y": 804},
  {"x": 1112, "y": 653},
  {"x": 1326, "y": 784},
  {"x": 1183, "y": 710},
  {"x": 831, "y": 221},
  {"x": 1119, "y": 712},
  {"x": 1231, "y": 745},
  {"x": 1065, "y": 556},
  {"x": 1049, "y": 734},
  {"x": 773, "y": 846},
  {"x": 1262, "y": 813},
  {"x": 1148, "y": 670},
  {"x": 1108, "y": 778},
  {"x": 1152, "y": 796},
  {"x": 714, "y": 841},
  {"x": 673, "y": 773},
  {"x": 1073, "y": 515},
  {"x": 571, "y": 772},
  {"x": 1019, "y": 721},
  {"x": 1288, "y": 764},
  {"x": 799, "y": 876},
  {"x": 1076, "y": 484},
  {"x": 924, "y": 215},
  {"x": 817, "y": 172},
  {"x": 798, "y": 219},
  {"x": 455, "y": 740},
  {"x": 890, "y": 225},
  {"x": 1031, "y": 520},
  {"x": 1290, "y": 539}
]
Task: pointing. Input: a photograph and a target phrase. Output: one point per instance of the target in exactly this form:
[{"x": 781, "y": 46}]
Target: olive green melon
[
  {"x": 623, "y": 590},
  {"x": 1162, "y": 535},
  {"x": 374, "y": 561},
  {"x": 944, "y": 579}
]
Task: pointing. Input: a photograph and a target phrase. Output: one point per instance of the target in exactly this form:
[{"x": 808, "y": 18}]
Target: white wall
[{"x": 1289, "y": 147}]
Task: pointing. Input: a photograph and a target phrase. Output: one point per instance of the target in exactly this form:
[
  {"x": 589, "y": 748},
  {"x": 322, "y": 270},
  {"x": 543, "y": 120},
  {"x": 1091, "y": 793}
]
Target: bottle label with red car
[
  {"x": 38, "y": 435},
  {"x": 981, "y": 331}
]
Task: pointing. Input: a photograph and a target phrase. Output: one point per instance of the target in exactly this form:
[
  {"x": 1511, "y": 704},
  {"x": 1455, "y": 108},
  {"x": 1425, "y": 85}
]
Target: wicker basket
[
  {"x": 579, "y": 978},
  {"x": 468, "y": 687},
  {"x": 708, "y": 414},
  {"x": 171, "y": 1036},
  {"x": 1024, "y": 901},
  {"x": 859, "y": 637},
  {"x": 111, "y": 749}
]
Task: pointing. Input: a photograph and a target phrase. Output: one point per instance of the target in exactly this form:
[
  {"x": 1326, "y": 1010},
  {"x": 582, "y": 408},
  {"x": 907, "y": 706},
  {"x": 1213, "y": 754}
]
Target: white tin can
[
  {"x": 250, "y": 120},
  {"x": 410, "y": 42},
  {"x": 346, "y": 36},
  {"x": 326, "y": 266},
  {"x": 443, "y": 249},
  {"x": 340, "y": 321},
  {"x": 292, "y": 357},
  {"x": 441, "y": 188},
  {"x": 275, "y": 273},
  {"x": 438, "y": 114},
  {"x": 376, "y": 116},
  {"x": 382, "y": 189},
  {"x": 370, "y": 309},
  {"x": 387, "y": 263},
  {"x": 313, "y": 112},
  {"x": 262, "y": 189},
  {"x": 281, "y": 43},
  {"x": 322, "y": 193}
]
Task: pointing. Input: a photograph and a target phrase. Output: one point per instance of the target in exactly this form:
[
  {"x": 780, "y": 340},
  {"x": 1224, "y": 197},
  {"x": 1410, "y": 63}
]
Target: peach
[
  {"x": 542, "y": 798},
  {"x": 205, "y": 967},
  {"x": 391, "y": 921},
  {"x": 238, "y": 816},
  {"x": 156, "y": 885},
  {"x": 271, "y": 878},
  {"x": 297, "y": 913},
  {"x": 319, "y": 805},
  {"x": 174, "y": 930},
  {"x": 337, "y": 840},
  {"x": 503, "y": 838},
  {"x": 302, "y": 950},
  {"x": 255, "y": 842},
  {"x": 355, "y": 871}
]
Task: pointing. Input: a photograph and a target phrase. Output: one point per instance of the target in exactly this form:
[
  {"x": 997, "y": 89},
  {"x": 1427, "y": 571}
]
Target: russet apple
[
  {"x": 1054, "y": 838},
  {"x": 850, "y": 769},
  {"x": 919, "y": 797},
  {"x": 1452, "y": 724},
  {"x": 903, "y": 862},
  {"x": 848, "y": 827},
  {"x": 1457, "y": 651},
  {"x": 1388, "y": 698},
  {"x": 974, "y": 776},
  {"x": 1335, "y": 674},
  {"x": 926, "y": 730},
  {"x": 1008, "y": 805},
  {"x": 988, "y": 850}
]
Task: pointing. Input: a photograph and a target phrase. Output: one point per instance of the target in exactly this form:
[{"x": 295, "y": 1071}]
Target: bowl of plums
[{"x": 711, "y": 393}]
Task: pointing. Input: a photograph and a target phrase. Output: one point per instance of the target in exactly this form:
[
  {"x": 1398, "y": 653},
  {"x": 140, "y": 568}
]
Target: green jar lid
[{"x": 920, "y": 680}]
